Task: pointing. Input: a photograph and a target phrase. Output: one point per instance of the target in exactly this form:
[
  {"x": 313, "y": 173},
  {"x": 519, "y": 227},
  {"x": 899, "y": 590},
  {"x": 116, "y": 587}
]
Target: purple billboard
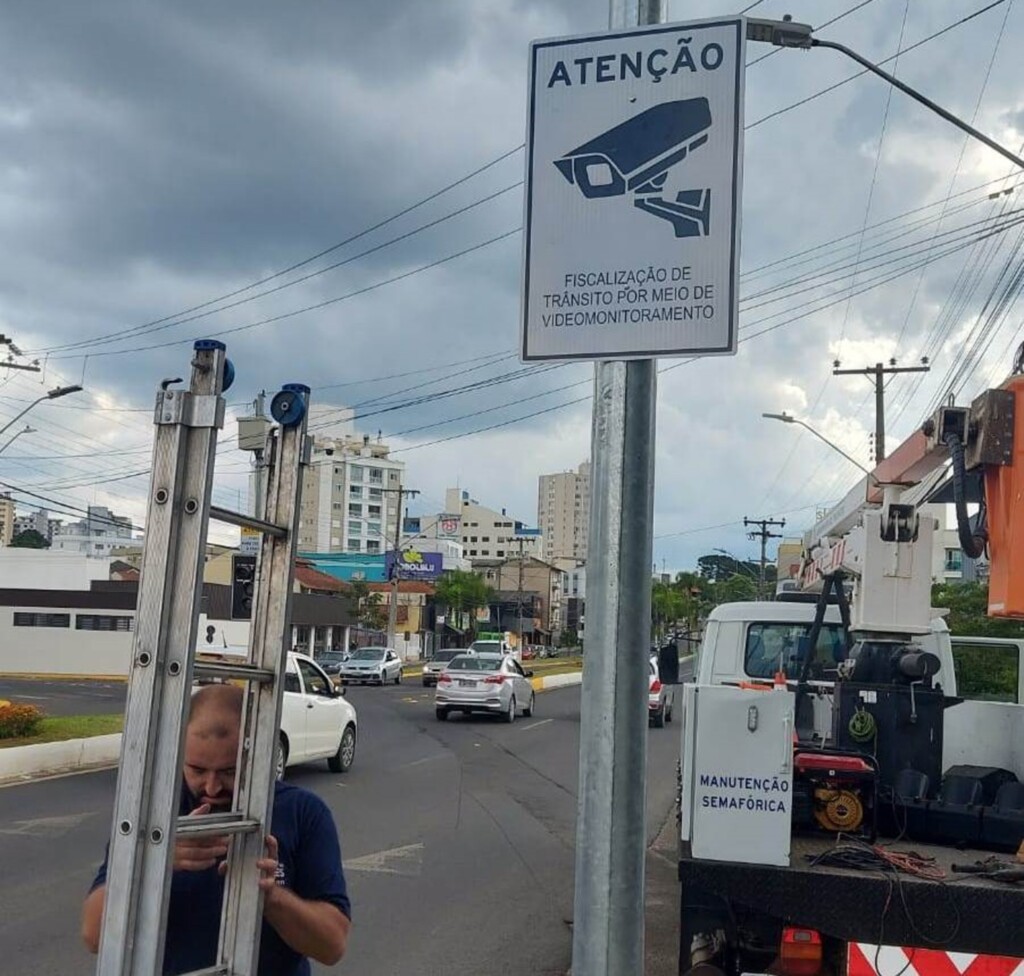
[{"x": 413, "y": 565}]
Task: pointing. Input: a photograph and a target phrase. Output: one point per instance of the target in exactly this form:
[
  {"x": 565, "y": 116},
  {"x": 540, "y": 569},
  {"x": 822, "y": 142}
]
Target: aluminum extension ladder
[{"x": 149, "y": 779}]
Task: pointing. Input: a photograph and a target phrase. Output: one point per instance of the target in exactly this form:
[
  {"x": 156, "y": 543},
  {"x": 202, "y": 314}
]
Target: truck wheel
[{"x": 658, "y": 718}]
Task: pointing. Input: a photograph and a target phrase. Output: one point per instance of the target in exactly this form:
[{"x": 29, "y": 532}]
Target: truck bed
[{"x": 964, "y": 913}]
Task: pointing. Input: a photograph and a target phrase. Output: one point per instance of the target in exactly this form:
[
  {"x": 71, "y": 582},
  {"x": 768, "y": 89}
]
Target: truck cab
[{"x": 749, "y": 643}]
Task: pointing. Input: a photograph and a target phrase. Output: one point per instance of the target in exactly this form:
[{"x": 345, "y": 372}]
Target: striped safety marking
[{"x": 893, "y": 960}]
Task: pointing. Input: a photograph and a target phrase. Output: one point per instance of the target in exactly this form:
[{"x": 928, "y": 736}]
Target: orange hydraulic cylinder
[{"x": 1004, "y": 496}]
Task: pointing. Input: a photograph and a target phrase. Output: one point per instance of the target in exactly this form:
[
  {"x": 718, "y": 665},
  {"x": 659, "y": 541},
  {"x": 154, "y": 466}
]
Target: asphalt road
[
  {"x": 457, "y": 839},
  {"x": 66, "y": 697}
]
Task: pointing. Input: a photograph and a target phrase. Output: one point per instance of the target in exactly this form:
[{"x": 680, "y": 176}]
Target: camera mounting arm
[{"x": 786, "y": 33}]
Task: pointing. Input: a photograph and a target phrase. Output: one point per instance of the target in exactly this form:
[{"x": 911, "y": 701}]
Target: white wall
[
  {"x": 62, "y": 650},
  {"x": 45, "y": 569},
  {"x": 94, "y": 653}
]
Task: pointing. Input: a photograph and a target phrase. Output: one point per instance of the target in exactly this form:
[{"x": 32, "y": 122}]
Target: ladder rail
[
  {"x": 242, "y": 917},
  {"x": 170, "y": 588}
]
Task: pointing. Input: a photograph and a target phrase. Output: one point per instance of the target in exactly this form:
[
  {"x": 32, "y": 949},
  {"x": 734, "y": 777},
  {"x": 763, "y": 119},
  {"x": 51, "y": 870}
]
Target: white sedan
[
  {"x": 317, "y": 722},
  {"x": 484, "y": 683}
]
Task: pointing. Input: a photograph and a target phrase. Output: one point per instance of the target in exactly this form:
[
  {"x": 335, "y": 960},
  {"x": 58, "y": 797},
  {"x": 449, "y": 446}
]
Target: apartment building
[
  {"x": 100, "y": 532},
  {"x": 487, "y": 533},
  {"x": 350, "y": 498},
  {"x": 563, "y": 513},
  {"x": 7, "y": 517}
]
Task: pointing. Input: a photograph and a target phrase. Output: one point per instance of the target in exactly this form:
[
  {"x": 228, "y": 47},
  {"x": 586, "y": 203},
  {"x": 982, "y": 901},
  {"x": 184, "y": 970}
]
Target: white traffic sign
[{"x": 633, "y": 181}]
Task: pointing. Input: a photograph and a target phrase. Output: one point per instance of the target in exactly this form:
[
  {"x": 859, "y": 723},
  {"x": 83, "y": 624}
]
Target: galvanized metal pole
[{"x": 608, "y": 930}]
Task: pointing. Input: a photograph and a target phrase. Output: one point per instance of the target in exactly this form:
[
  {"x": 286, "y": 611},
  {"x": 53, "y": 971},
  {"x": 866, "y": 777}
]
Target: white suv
[{"x": 317, "y": 722}]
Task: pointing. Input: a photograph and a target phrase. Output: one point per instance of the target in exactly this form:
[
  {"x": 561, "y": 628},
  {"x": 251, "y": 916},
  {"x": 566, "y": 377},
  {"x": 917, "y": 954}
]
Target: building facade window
[
  {"x": 355, "y": 491},
  {"x": 954, "y": 561},
  {"x": 356, "y": 472},
  {"x": 355, "y": 545},
  {"x": 376, "y": 476},
  {"x": 42, "y": 619},
  {"x": 100, "y": 621},
  {"x": 355, "y": 528},
  {"x": 372, "y": 545},
  {"x": 374, "y": 511}
]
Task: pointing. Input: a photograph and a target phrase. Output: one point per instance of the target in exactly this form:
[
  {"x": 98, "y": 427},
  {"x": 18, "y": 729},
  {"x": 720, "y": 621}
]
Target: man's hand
[
  {"x": 268, "y": 871},
  {"x": 199, "y": 853},
  {"x": 312, "y": 928}
]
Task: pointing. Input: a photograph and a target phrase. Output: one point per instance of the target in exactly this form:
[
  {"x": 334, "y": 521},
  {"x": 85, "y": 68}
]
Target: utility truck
[{"x": 851, "y": 789}]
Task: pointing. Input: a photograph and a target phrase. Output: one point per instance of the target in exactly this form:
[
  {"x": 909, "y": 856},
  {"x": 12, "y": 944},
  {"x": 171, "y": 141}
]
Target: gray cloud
[{"x": 154, "y": 156}]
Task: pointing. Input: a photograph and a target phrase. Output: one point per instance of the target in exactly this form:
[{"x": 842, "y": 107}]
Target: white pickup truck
[{"x": 757, "y": 886}]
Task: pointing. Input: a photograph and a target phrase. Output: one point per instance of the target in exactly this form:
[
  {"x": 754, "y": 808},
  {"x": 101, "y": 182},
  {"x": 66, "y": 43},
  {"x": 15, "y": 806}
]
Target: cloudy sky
[{"x": 158, "y": 161}]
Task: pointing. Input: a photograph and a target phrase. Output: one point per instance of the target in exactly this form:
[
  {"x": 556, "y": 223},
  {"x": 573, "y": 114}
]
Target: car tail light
[
  {"x": 495, "y": 679},
  {"x": 443, "y": 679},
  {"x": 800, "y": 952},
  {"x": 655, "y": 687}
]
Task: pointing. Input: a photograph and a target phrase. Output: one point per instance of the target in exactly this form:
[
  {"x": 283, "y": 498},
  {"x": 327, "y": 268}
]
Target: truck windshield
[{"x": 782, "y": 645}]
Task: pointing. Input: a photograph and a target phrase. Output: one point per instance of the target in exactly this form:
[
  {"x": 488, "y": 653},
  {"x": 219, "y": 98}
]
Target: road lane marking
[
  {"x": 406, "y": 861},
  {"x": 543, "y": 721},
  {"x": 426, "y": 759},
  {"x": 47, "y": 826}
]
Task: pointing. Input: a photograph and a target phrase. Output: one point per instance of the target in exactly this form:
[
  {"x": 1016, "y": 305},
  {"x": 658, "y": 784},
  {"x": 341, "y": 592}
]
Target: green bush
[{"x": 19, "y": 721}]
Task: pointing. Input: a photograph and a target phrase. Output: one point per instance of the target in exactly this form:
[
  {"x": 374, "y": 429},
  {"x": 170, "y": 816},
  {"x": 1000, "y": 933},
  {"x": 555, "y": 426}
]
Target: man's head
[{"x": 211, "y": 745}]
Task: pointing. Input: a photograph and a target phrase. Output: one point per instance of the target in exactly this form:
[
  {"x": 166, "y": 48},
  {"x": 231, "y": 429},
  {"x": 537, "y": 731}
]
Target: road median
[{"x": 22, "y": 763}]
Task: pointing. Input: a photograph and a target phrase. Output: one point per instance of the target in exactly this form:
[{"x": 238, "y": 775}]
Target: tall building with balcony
[
  {"x": 563, "y": 513},
  {"x": 350, "y": 499}
]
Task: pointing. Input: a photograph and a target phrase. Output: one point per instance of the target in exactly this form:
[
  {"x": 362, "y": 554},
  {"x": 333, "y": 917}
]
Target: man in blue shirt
[{"x": 306, "y": 910}]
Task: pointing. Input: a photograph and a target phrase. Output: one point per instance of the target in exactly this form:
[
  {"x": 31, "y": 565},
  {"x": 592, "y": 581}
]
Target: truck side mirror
[{"x": 668, "y": 664}]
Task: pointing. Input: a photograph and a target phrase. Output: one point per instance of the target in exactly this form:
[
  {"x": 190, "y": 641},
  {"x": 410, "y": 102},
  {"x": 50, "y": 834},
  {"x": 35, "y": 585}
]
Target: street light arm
[
  {"x": 835, "y": 447},
  {"x": 923, "y": 99},
  {"x": 10, "y": 423}
]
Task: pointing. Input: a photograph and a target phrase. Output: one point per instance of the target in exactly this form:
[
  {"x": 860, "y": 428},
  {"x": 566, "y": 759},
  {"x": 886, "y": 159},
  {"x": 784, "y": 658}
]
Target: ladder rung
[
  {"x": 231, "y": 672},
  {"x": 247, "y": 521},
  {"x": 217, "y": 824}
]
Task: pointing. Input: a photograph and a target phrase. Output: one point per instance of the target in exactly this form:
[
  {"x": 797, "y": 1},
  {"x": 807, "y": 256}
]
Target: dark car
[{"x": 331, "y": 661}]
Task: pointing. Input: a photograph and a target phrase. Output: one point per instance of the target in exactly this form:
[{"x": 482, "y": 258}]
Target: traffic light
[{"x": 243, "y": 585}]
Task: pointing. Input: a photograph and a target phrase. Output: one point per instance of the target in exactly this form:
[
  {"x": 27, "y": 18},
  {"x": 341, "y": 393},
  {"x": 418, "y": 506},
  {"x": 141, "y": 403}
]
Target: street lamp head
[
  {"x": 784, "y": 417},
  {"x": 59, "y": 391}
]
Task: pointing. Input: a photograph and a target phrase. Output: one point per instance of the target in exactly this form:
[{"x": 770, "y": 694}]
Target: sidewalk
[{"x": 661, "y": 902}]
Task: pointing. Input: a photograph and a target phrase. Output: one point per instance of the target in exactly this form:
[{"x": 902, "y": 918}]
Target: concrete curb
[
  {"x": 23, "y": 763},
  {"x": 551, "y": 681}
]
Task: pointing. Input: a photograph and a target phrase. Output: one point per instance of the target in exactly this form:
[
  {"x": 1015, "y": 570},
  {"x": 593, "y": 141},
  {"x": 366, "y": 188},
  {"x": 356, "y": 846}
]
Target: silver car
[
  {"x": 373, "y": 665},
  {"x": 661, "y": 698},
  {"x": 438, "y": 663},
  {"x": 484, "y": 683}
]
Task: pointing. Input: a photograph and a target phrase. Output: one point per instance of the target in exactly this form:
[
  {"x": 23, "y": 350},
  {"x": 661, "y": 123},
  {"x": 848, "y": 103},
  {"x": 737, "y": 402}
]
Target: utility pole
[
  {"x": 393, "y": 575},
  {"x": 764, "y": 533},
  {"x": 519, "y": 599},
  {"x": 608, "y": 903},
  {"x": 9, "y": 363},
  {"x": 877, "y": 374}
]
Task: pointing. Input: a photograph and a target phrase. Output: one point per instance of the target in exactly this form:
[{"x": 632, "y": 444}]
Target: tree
[
  {"x": 463, "y": 592},
  {"x": 30, "y": 539},
  {"x": 568, "y": 638},
  {"x": 968, "y": 611},
  {"x": 717, "y": 567},
  {"x": 371, "y": 612}
]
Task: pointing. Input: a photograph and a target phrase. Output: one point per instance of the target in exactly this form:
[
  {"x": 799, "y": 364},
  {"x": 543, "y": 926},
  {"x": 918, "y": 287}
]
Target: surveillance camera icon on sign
[{"x": 635, "y": 157}]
